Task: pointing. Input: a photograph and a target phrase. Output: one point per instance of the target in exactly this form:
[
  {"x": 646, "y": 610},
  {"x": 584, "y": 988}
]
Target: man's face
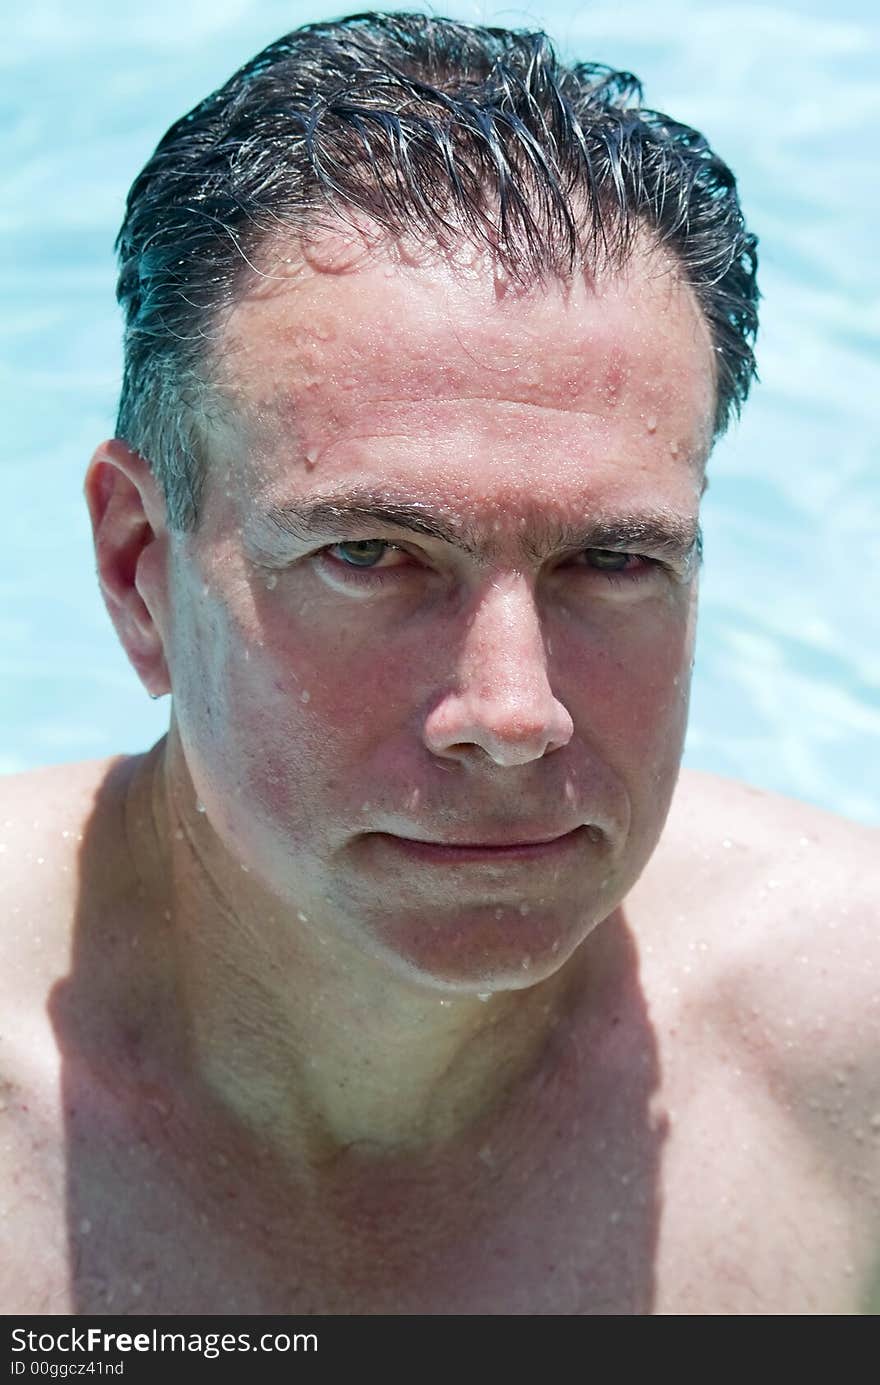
[{"x": 355, "y": 694}]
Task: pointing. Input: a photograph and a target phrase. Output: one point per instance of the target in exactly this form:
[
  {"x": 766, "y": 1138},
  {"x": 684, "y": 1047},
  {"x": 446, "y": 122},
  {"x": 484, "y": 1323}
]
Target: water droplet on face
[
  {"x": 303, "y": 918},
  {"x": 594, "y": 833},
  {"x": 524, "y": 909},
  {"x": 311, "y": 458},
  {"x": 484, "y": 996},
  {"x": 651, "y": 424},
  {"x": 200, "y": 807},
  {"x": 526, "y": 962},
  {"x": 179, "y": 834},
  {"x": 271, "y": 581},
  {"x": 305, "y": 695}
]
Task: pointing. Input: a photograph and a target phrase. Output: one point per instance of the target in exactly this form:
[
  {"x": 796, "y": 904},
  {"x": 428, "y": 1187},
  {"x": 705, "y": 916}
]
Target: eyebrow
[{"x": 664, "y": 533}]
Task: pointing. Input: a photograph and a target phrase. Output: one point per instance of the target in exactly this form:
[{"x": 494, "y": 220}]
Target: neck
[{"x": 311, "y": 1045}]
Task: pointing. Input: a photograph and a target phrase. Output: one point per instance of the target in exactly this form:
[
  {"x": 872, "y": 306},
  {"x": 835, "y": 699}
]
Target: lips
[
  {"x": 500, "y": 851},
  {"x": 489, "y": 843}
]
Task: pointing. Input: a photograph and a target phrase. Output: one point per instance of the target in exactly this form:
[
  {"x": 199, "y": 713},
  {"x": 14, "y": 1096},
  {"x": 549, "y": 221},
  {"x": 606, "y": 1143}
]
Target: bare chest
[{"x": 715, "y": 1208}]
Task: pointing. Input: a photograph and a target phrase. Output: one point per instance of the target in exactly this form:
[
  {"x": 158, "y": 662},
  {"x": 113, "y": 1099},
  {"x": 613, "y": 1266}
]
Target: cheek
[
  {"x": 291, "y": 712},
  {"x": 633, "y": 685}
]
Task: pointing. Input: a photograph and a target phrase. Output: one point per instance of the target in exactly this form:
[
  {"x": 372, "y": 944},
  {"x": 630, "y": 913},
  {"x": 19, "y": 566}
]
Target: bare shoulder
[
  {"x": 45, "y": 810},
  {"x": 764, "y": 822},
  {"x": 772, "y": 918},
  {"x": 36, "y": 796},
  {"x": 792, "y": 892},
  {"x": 742, "y": 851},
  {"x": 44, "y": 817},
  {"x": 47, "y": 820}
]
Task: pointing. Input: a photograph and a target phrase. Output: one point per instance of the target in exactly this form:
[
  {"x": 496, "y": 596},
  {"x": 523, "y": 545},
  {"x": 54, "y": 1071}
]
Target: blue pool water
[{"x": 787, "y": 681}]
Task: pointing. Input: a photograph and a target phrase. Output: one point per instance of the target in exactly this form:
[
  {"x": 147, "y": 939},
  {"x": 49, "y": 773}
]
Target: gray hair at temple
[{"x": 433, "y": 129}]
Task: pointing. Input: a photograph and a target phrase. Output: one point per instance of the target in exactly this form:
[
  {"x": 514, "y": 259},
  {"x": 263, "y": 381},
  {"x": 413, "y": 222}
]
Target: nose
[{"x": 502, "y": 703}]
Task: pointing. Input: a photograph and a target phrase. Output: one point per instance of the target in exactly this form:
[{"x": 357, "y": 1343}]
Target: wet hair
[{"x": 433, "y": 129}]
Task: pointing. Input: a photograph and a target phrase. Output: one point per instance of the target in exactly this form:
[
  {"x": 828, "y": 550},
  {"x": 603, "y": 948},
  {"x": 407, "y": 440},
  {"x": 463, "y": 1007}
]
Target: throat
[{"x": 432, "y": 1076}]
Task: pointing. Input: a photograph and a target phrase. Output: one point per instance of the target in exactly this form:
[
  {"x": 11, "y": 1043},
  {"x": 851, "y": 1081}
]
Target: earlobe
[{"x": 128, "y": 526}]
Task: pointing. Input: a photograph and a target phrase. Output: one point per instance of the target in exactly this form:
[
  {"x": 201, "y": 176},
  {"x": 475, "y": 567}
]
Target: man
[{"x": 400, "y": 977}]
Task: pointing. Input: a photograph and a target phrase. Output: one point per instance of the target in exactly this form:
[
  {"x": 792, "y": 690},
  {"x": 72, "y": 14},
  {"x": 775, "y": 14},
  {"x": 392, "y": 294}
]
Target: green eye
[
  {"x": 607, "y": 559},
  {"x": 361, "y": 552}
]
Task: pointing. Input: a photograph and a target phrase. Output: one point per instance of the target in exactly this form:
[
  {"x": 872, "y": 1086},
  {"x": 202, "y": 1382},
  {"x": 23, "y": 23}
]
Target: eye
[
  {"x": 611, "y": 561},
  {"x": 361, "y": 553},
  {"x": 614, "y": 564},
  {"x": 364, "y": 562}
]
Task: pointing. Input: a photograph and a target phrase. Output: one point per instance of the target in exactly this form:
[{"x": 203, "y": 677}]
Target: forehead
[{"x": 335, "y": 355}]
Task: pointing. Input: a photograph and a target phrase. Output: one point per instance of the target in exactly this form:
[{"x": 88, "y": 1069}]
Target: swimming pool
[{"x": 787, "y": 679}]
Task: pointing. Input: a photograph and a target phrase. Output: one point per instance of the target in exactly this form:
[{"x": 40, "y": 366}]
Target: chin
[{"x": 480, "y": 948}]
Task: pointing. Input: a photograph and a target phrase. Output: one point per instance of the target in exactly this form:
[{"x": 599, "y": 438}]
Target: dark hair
[{"x": 432, "y": 128}]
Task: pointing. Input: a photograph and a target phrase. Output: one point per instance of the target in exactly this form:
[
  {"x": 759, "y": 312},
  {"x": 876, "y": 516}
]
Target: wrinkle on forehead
[{"x": 314, "y": 358}]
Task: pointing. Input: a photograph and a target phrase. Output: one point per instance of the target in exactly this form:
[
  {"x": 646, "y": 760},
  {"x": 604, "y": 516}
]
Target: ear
[{"x": 128, "y": 517}]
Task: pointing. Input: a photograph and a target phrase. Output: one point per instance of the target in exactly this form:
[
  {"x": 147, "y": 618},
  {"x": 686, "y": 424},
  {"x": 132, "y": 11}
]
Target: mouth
[{"x": 497, "y": 853}]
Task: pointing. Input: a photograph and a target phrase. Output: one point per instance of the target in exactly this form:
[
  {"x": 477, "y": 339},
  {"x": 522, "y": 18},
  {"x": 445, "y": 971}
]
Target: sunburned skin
[{"x": 388, "y": 981}]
